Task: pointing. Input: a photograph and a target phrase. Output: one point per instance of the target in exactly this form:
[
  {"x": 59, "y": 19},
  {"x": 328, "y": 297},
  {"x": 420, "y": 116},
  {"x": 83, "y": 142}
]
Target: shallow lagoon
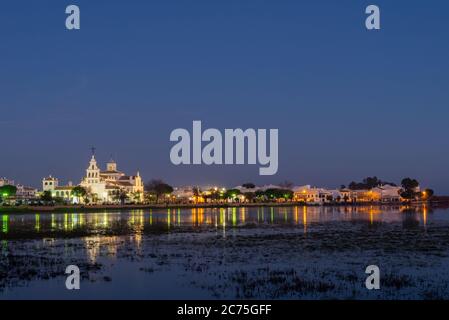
[{"x": 256, "y": 253}]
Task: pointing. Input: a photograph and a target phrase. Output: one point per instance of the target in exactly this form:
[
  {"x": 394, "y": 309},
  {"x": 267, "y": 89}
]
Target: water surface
[{"x": 258, "y": 252}]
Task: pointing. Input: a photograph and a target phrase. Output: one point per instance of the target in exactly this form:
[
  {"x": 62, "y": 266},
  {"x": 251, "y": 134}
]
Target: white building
[
  {"x": 24, "y": 192},
  {"x": 5, "y": 182},
  {"x": 106, "y": 186},
  {"x": 49, "y": 183},
  {"x": 313, "y": 195},
  {"x": 183, "y": 194},
  {"x": 388, "y": 193}
]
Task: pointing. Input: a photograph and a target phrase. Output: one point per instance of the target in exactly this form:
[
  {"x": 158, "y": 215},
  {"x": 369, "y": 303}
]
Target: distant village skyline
[{"x": 112, "y": 173}]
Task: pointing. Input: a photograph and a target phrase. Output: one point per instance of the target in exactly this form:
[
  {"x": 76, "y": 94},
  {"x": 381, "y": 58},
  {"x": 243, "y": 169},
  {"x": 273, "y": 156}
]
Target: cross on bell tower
[{"x": 92, "y": 171}]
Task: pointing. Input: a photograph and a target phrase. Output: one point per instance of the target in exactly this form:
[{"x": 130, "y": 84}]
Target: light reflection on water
[
  {"x": 131, "y": 236},
  {"x": 219, "y": 218}
]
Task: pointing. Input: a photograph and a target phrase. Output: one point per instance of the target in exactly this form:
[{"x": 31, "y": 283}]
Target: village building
[
  {"x": 23, "y": 193},
  {"x": 5, "y": 182},
  {"x": 63, "y": 192},
  {"x": 183, "y": 194},
  {"x": 26, "y": 193},
  {"x": 388, "y": 193},
  {"x": 385, "y": 193},
  {"x": 311, "y": 195}
]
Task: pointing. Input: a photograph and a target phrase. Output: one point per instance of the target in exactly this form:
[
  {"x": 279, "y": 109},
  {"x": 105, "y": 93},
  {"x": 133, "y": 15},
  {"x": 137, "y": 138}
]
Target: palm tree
[
  {"x": 136, "y": 196},
  {"x": 79, "y": 192},
  {"x": 121, "y": 195}
]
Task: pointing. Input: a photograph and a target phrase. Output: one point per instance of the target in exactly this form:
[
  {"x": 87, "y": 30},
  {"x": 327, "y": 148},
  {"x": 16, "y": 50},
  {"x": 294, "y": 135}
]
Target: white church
[{"x": 103, "y": 187}]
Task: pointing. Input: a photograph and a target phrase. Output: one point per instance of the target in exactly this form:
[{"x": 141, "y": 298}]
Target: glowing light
[
  {"x": 242, "y": 214},
  {"x": 304, "y": 218},
  {"x": 5, "y": 224},
  {"x": 223, "y": 220},
  {"x": 168, "y": 218},
  {"x": 194, "y": 216},
  {"x": 424, "y": 211},
  {"x": 296, "y": 214},
  {"x": 38, "y": 222}
]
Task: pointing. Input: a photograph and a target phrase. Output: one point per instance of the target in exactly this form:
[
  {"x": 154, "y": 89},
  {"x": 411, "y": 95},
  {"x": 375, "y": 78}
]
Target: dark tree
[
  {"x": 79, "y": 192},
  {"x": 353, "y": 185},
  {"x": 232, "y": 193},
  {"x": 196, "y": 191},
  {"x": 409, "y": 188},
  {"x": 368, "y": 183},
  {"x": 158, "y": 188},
  {"x": 249, "y": 185},
  {"x": 409, "y": 184},
  {"x": 274, "y": 194},
  {"x": 260, "y": 195},
  {"x": 371, "y": 182},
  {"x": 408, "y": 194},
  {"x": 250, "y": 196},
  {"x": 46, "y": 197},
  {"x": 8, "y": 191},
  {"x": 121, "y": 196}
]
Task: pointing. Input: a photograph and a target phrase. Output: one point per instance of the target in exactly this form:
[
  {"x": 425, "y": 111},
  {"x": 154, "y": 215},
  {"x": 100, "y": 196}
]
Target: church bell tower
[{"x": 92, "y": 171}]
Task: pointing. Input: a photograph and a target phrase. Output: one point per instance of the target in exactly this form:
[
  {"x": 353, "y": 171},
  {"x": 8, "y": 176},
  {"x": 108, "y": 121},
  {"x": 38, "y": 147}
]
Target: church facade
[{"x": 109, "y": 186}]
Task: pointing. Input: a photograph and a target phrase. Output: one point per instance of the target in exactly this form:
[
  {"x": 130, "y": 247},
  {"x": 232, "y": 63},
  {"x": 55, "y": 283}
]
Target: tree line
[
  {"x": 157, "y": 191},
  {"x": 409, "y": 187}
]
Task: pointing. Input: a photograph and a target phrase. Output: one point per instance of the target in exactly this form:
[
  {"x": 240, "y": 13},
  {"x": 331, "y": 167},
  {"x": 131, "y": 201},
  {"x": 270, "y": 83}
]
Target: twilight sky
[{"x": 348, "y": 102}]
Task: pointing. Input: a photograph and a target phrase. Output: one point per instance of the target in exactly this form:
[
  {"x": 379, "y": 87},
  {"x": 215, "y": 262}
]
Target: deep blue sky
[{"x": 348, "y": 102}]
